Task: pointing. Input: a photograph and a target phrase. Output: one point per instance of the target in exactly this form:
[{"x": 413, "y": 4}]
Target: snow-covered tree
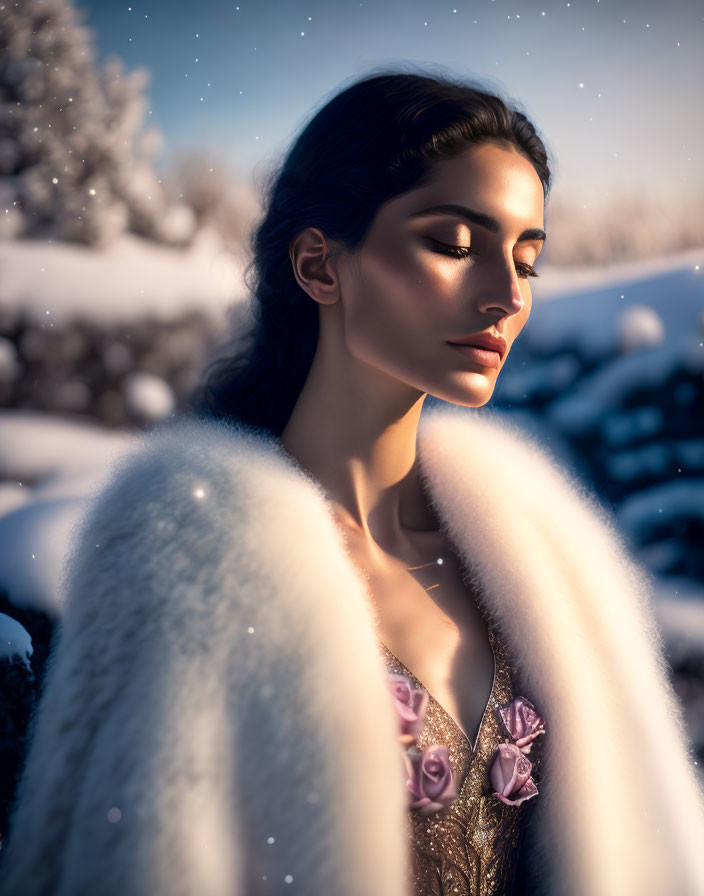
[{"x": 75, "y": 156}]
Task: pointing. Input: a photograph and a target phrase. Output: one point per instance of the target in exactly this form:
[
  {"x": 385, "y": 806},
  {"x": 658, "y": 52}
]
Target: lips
[
  {"x": 483, "y": 341},
  {"x": 486, "y": 357}
]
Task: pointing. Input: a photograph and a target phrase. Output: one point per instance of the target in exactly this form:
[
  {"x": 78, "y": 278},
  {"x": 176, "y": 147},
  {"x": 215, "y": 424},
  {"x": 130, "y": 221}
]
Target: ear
[{"x": 313, "y": 266}]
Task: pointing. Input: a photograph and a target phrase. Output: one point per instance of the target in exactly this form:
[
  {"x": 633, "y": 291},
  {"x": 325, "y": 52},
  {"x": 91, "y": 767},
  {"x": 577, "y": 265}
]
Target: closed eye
[
  {"x": 524, "y": 270},
  {"x": 454, "y": 251}
]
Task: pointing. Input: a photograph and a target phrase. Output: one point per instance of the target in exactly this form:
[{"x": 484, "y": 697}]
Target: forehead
[{"x": 497, "y": 181}]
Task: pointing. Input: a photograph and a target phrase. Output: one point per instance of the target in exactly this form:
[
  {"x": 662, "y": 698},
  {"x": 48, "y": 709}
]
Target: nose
[{"x": 502, "y": 291}]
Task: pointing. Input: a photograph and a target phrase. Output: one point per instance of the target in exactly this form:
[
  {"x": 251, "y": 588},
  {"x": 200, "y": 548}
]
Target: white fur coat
[{"x": 216, "y": 720}]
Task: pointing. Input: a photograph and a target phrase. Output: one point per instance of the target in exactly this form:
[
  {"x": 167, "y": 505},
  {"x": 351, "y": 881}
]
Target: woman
[{"x": 315, "y": 643}]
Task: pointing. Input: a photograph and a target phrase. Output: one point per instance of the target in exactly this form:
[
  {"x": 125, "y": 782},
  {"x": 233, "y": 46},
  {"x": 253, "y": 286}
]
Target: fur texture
[{"x": 218, "y": 681}]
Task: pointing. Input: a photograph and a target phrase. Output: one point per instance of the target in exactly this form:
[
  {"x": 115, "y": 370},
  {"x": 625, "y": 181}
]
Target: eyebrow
[{"x": 484, "y": 220}]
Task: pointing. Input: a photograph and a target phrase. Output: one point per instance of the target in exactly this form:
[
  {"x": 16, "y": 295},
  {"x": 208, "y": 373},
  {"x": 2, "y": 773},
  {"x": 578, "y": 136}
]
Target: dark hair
[{"x": 371, "y": 142}]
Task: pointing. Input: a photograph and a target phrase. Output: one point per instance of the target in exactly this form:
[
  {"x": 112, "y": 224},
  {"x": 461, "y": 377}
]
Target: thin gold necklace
[{"x": 438, "y": 562}]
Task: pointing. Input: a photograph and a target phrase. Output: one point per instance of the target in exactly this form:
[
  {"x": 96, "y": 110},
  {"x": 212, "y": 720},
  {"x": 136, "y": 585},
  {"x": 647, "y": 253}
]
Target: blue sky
[{"x": 613, "y": 85}]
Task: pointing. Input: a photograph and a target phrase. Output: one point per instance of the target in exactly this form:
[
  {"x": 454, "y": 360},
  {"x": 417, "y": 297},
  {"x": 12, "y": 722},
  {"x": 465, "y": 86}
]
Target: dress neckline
[{"x": 456, "y": 725}]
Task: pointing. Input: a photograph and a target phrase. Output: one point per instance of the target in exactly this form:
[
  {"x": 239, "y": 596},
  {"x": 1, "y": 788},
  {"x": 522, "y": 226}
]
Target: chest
[{"x": 429, "y": 619}]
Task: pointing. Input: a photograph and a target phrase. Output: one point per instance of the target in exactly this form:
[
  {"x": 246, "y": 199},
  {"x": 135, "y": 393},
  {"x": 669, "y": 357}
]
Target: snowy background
[{"x": 119, "y": 281}]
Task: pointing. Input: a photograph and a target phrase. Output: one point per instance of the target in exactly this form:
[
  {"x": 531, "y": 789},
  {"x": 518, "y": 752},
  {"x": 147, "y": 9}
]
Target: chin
[
  {"x": 479, "y": 403},
  {"x": 464, "y": 397}
]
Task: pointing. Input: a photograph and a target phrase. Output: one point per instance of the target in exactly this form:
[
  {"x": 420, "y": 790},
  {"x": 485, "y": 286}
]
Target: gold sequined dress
[{"x": 470, "y": 847}]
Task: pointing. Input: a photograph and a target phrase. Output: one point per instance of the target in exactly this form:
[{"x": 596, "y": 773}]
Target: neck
[{"x": 357, "y": 436}]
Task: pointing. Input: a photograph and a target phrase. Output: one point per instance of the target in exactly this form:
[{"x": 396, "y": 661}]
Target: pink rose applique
[
  {"x": 410, "y": 704},
  {"x": 522, "y": 722},
  {"x": 431, "y": 784},
  {"x": 510, "y": 775}
]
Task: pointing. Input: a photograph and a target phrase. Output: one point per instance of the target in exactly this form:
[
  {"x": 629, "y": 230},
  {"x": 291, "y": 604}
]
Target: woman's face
[{"x": 425, "y": 279}]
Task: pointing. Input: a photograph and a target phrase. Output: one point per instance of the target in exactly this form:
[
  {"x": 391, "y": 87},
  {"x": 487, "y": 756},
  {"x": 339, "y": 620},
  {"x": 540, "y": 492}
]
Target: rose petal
[
  {"x": 528, "y": 790},
  {"x": 429, "y": 778},
  {"x": 510, "y": 770},
  {"x": 410, "y": 704},
  {"x": 520, "y": 775},
  {"x": 507, "y": 772},
  {"x": 521, "y": 721},
  {"x": 438, "y": 783}
]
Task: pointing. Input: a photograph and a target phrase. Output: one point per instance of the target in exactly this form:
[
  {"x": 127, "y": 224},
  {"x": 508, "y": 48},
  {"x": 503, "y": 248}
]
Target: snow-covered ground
[
  {"x": 131, "y": 278},
  {"x": 557, "y": 281},
  {"x": 605, "y": 310},
  {"x": 49, "y": 468}
]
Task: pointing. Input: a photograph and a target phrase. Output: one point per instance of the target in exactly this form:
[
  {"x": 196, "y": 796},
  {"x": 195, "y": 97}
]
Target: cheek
[
  {"x": 414, "y": 279},
  {"x": 393, "y": 289},
  {"x": 394, "y": 304}
]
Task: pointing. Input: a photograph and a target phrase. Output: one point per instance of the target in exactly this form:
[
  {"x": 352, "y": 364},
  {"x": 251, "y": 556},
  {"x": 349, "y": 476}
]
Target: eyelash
[{"x": 524, "y": 269}]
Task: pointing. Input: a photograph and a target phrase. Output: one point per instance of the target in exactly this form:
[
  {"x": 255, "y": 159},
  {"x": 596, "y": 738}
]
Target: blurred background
[{"x": 133, "y": 143}]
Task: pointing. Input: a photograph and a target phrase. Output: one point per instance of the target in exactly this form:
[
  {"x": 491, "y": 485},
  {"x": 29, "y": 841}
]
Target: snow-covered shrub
[
  {"x": 148, "y": 397},
  {"x": 116, "y": 373},
  {"x": 616, "y": 371},
  {"x": 640, "y": 327},
  {"x": 14, "y": 641}
]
